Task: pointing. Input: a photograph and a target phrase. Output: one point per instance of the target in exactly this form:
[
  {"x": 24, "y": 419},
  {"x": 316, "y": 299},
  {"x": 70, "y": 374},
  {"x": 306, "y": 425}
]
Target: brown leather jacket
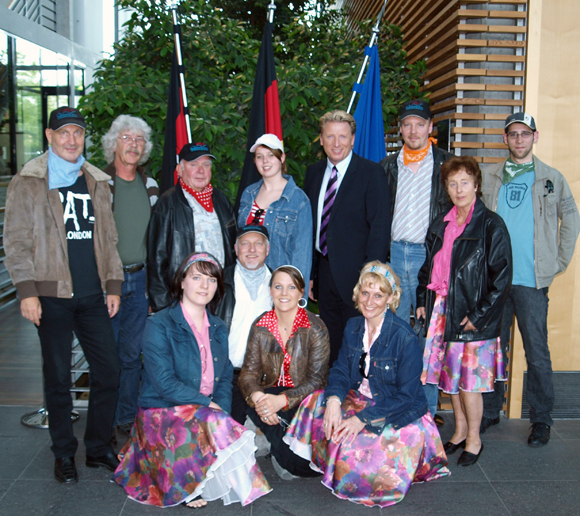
[
  {"x": 34, "y": 233},
  {"x": 309, "y": 349}
]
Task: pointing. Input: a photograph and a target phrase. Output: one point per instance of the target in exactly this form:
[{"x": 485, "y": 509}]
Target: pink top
[
  {"x": 442, "y": 261},
  {"x": 206, "y": 385},
  {"x": 365, "y": 388}
]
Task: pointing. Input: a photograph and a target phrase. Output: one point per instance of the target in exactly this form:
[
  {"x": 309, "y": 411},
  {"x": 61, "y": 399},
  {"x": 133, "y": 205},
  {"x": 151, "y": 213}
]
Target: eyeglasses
[
  {"x": 257, "y": 217},
  {"x": 126, "y": 139},
  {"x": 524, "y": 135},
  {"x": 362, "y": 365}
]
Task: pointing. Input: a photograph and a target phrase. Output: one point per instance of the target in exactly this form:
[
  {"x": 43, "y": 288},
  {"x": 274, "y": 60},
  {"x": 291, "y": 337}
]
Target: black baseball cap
[
  {"x": 418, "y": 108},
  {"x": 250, "y": 228},
  {"x": 520, "y": 118},
  {"x": 192, "y": 151},
  {"x": 66, "y": 115}
]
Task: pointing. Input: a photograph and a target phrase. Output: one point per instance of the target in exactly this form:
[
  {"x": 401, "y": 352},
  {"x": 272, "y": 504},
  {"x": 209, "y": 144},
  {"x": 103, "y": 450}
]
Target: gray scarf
[{"x": 252, "y": 279}]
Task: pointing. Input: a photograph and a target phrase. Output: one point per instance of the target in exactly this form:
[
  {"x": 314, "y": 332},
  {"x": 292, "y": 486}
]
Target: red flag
[
  {"x": 175, "y": 128},
  {"x": 265, "y": 114}
]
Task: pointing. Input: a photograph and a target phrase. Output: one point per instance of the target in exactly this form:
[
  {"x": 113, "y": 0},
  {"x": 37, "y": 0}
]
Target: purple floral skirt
[
  {"x": 454, "y": 366},
  {"x": 179, "y": 453},
  {"x": 375, "y": 469}
]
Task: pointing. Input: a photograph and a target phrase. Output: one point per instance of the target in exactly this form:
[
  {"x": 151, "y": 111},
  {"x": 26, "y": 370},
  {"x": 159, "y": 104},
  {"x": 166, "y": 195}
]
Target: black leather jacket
[
  {"x": 172, "y": 239},
  {"x": 440, "y": 202},
  {"x": 480, "y": 276},
  {"x": 225, "y": 309}
]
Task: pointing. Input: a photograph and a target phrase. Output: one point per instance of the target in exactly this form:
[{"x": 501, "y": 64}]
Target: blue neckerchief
[{"x": 62, "y": 173}]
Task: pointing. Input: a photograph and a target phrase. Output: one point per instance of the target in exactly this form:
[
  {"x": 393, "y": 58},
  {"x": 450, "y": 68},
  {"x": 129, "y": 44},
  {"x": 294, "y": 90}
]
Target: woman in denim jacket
[
  {"x": 277, "y": 203},
  {"x": 369, "y": 432}
]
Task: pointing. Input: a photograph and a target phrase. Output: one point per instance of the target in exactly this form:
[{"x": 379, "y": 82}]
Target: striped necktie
[{"x": 327, "y": 208}]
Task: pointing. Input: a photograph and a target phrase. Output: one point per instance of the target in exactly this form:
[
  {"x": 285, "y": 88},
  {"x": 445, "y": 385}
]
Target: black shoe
[
  {"x": 65, "y": 471},
  {"x": 468, "y": 458},
  {"x": 451, "y": 448},
  {"x": 539, "y": 436},
  {"x": 439, "y": 421},
  {"x": 108, "y": 461},
  {"x": 486, "y": 422}
]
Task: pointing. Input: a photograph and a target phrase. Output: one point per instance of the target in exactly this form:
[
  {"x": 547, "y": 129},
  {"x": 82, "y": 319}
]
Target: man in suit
[{"x": 351, "y": 211}]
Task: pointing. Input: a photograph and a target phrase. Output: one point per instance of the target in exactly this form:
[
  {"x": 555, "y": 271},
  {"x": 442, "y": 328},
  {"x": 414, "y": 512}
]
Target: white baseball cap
[{"x": 268, "y": 140}]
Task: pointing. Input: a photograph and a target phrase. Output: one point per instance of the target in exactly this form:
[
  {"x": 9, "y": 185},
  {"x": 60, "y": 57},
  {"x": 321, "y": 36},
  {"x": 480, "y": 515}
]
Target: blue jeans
[
  {"x": 406, "y": 260},
  {"x": 530, "y": 306},
  {"x": 128, "y": 326}
]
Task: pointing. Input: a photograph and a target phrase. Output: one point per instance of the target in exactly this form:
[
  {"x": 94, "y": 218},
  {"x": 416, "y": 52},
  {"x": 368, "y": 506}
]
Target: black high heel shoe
[{"x": 451, "y": 448}]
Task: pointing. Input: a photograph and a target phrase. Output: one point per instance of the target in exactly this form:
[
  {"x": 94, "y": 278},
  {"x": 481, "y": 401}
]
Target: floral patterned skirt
[
  {"x": 179, "y": 453},
  {"x": 469, "y": 366},
  {"x": 375, "y": 469}
]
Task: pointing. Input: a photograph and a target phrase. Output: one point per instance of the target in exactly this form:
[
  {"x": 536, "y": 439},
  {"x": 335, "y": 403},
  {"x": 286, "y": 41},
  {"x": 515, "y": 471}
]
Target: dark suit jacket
[{"x": 360, "y": 223}]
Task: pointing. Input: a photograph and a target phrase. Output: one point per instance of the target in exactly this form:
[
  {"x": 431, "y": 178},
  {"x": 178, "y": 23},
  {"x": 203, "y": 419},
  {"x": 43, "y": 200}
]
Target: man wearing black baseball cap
[
  {"x": 540, "y": 213},
  {"x": 417, "y": 198},
  {"x": 246, "y": 296},
  {"x": 60, "y": 243},
  {"x": 191, "y": 216}
]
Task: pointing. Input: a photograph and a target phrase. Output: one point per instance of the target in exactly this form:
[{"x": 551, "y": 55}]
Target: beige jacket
[{"x": 34, "y": 233}]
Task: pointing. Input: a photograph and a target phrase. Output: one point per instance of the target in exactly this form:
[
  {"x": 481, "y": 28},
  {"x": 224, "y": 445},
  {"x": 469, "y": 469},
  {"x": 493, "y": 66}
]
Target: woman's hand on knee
[
  {"x": 332, "y": 416},
  {"x": 348, "y": 430}
]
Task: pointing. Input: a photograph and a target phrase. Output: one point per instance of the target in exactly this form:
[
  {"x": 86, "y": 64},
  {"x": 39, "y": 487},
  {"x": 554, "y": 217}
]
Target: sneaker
[
  {"x": 539, "y": 436},
  {"x": 486, "y": 422},
  {"x": 284, "y": 474}
]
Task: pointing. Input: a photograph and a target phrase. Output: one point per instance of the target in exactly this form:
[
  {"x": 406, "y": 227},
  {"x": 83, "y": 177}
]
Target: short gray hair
[{"x": 126, "y": 123}]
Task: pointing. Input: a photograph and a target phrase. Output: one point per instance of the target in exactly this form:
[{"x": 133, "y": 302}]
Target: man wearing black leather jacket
[
  {"x": 191, "y": 216},
  {"x": 417, "y": 198}
]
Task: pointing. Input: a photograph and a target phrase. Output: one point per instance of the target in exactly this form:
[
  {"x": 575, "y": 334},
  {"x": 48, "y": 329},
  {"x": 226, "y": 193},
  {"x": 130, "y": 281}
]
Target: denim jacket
[
  {"x": 172, "y": 372},
  {"x": 394, "y": 373},
  {"x": 289, "y": 223}
]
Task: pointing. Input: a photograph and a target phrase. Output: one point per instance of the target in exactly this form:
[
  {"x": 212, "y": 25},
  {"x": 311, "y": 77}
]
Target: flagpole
[
  {"x": 176, "y": 35},
  {"x": 271, "y": 9},
  {"x": 374, "y": 37}
]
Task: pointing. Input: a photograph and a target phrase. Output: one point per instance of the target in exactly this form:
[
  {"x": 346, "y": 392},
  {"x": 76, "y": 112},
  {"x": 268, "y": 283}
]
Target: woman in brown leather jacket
[{"x": 286, "y": 360}]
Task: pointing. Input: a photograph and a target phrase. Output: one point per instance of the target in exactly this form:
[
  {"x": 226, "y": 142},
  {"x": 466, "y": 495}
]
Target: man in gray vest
[{"x": 540, "y": 213}]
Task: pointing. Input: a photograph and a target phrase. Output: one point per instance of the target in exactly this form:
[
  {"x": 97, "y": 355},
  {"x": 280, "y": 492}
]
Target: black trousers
[
  {"x": 88, "y": 317},
  {"x": 279, "y": 449},
  {"x": 333, "y": 310},
  {"x": 239, "y": 406}
]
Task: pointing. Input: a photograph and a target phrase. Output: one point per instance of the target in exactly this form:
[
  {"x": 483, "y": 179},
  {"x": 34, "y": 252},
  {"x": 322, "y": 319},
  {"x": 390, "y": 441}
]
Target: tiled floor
[{"x": 509, "y": 479}]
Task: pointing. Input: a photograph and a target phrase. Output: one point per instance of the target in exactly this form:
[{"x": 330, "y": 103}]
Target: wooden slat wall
[{"x": 475, "y": 54}]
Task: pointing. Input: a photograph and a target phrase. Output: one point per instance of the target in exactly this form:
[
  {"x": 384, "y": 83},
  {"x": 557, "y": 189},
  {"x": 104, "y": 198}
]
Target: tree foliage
[{"x": 317, "y": 62}]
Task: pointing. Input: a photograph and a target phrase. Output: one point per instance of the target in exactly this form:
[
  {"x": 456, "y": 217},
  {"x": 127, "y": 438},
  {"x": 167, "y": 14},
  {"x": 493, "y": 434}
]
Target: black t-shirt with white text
[{"x": 79, "y": 223}]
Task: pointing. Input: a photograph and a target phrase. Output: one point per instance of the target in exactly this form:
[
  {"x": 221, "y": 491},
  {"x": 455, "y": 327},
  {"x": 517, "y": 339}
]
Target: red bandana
[
  {"x": 205, "y": 197},
  {"x": 270, "y": 322}
]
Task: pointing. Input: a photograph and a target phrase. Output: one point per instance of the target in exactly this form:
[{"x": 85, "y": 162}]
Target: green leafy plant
[{"x": 317, "y": 62}]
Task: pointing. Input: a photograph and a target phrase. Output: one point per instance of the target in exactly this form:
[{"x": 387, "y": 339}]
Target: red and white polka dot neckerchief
[
  {"x": 270, "y": 322},
  {"x": 205, "y": 197}
]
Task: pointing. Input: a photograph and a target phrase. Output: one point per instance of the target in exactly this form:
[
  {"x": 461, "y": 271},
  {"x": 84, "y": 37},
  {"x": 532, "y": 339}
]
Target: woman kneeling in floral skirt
[
  {"x": 369, "y": 432},
  {"x": 184, "y": 446}
]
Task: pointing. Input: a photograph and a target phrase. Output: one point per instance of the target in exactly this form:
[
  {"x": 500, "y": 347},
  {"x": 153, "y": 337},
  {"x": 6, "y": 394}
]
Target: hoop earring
[{"x": 305, "y": 303}]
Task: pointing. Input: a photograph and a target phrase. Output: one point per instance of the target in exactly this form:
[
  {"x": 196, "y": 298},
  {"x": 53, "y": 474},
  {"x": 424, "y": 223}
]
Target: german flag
[
  {"x": 175, "y": 128},
  {"x": 265, "y": 114}
]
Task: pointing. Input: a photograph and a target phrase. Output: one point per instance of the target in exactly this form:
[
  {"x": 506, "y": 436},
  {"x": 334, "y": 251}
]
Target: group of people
[{"x": 349, "y": 395}]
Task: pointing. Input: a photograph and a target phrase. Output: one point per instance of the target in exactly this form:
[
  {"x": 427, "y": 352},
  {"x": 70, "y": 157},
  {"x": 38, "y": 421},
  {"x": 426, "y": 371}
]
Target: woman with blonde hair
[{"x": 369, "y": 432}]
